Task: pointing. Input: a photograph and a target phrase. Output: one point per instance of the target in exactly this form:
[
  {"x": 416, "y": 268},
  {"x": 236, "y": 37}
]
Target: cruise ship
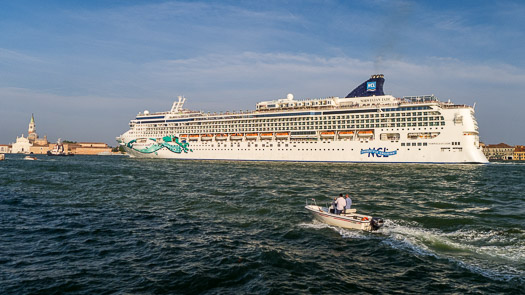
[{"x": 364, "y": 126}]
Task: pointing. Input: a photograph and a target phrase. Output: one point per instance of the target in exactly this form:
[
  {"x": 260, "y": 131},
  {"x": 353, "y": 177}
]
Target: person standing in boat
[
  {"x": 348, "y": 203},
  {"x": 341, "y": 203}
]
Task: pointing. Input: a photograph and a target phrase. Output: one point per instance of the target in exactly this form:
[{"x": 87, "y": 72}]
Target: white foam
[
  {"x": 315, "y": 225},
  {"x": 345, "y": 233},
  {"x": 507, "y": 163},
  {"x": 494, "y": 254}
]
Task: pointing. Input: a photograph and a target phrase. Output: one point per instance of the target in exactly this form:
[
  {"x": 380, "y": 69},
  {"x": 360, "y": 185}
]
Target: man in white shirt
[{"x": 341, "y": 203}]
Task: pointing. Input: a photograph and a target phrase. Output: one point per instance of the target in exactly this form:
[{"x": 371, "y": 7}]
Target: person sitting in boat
[
  {"x": 332, "y": 208},
  {"x": 340, "y": 203},
  {"x": 348, "y": 203}
]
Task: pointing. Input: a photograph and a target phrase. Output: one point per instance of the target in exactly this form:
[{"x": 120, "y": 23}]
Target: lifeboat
[
  {"x": 346, "y": 134},
  {"x": 327, "y": 134},
  {"x": 282, "y": 134},
  {"x": 266, "y": 135},
  {"x": 194, "y": 137},
  {"x": 184, "y": 136},
  {"x": 251, "y": 135},
  {"x": 236, "y": 136},
  {"x": 365, "y": 133},
  {"x": 221, "y": 136},
  {"x": 206, "y": 137}
]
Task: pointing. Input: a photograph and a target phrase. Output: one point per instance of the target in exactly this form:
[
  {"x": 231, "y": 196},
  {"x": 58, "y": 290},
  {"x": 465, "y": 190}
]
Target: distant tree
[
  {"x": 118, "y": 149},
  {"x": 68, "y": 141}
]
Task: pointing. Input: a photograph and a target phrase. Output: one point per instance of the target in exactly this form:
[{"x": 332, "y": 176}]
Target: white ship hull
[{"x": 320, "y": 151}]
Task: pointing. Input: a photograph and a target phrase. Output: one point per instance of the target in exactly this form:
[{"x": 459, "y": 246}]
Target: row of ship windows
[
  {"x": 443, "y": 149},
  {"x": 425, "y": 116},
  {"x": 227, "y": 149},
  {"x": 414, "y": 144},
  {"x": 278, "y": 123},
  {"x": 309, "y": 121},
  {"x": 162, "y": 130},
  {"x": 334, "y": 117},
  {"x": 224, "y": 145},
  {"x": 312, "y": 123}
]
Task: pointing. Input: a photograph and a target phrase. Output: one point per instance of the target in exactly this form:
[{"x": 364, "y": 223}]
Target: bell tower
[{"x": 31, "y": 132}]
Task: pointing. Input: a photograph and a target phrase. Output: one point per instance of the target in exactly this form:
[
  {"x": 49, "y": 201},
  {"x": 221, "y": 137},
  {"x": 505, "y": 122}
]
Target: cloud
[{"x": 11, "y": 56}]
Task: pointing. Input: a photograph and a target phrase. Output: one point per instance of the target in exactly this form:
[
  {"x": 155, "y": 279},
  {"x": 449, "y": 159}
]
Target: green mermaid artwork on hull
[{"x": 178, "y": 148}]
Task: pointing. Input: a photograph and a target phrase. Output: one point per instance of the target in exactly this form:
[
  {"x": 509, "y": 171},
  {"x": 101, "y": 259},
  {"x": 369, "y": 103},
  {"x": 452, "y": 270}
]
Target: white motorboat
[
  {"x": 31, "y": 158},
  {"x": 350, "y": 219}
]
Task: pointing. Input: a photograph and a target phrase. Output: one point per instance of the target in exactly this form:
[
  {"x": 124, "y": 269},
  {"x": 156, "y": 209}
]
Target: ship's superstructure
[{"x": 364, "y": 126}]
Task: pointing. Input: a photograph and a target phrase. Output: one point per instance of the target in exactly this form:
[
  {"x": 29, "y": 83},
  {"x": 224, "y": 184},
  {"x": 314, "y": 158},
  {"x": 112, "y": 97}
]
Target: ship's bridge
[
  {"x": 290, "y": 103},
  {"x": 329, "y": 102}
]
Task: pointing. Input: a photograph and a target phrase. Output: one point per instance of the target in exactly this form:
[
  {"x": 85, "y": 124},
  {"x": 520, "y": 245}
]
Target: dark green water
[{"x": 102, "y": 225}]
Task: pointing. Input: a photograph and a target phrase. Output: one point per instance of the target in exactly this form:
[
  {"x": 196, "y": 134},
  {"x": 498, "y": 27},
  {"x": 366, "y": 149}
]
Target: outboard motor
[{"x": 376, "y": 223}]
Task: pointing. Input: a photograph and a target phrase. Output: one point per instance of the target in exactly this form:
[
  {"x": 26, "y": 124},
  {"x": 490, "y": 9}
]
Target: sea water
[{"x": 113, "y": 224}]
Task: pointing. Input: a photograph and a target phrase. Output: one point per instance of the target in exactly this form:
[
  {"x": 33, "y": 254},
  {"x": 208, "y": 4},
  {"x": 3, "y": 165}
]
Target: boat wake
[
  {"x": 514, "y": 163},
  {"x": 495, "y": 254}
]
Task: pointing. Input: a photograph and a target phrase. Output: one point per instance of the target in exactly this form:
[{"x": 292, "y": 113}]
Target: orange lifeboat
[
  {"x": 266, "y": 135},
  {"x": 365, "y": 133},
  {"x": 327, "y": 134},
  {"x": 282, "y": 134},
  {"x": 194, "y": 136},
  {"x": 346, "y": 134},
  {"x": 206, "y": 137},
  {"x": 251, "y": 135},
  {"x": 221, "y": 136},
  {"x": 236, "y": 136}
]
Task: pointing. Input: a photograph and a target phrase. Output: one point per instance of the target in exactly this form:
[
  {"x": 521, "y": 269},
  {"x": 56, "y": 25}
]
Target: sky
[{"x": 86, "y": 68}]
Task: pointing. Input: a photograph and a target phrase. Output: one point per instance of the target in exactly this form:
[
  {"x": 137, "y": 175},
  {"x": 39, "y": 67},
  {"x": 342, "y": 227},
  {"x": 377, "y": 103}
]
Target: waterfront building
[
  {"x": 5, "y": 149},
  {"x": 31, "y": 144},
  {"x": 21, "y": 145},
  {"x": 40, "y": 143},
  {"x": 36, "y": 145},
  {"x": 88, "y": 148},
  {"x": 31, "y": 131},
  {"x": 39, "y": 147},
  {"x": 519, "y": 153},
  {"x": 500, "y": 151}
]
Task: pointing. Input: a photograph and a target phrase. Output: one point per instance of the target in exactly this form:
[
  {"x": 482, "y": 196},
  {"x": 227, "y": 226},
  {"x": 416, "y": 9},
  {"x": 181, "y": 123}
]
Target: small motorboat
[
  {"x": 30, "y": 158},
  {"x": 350, "y": 219}
]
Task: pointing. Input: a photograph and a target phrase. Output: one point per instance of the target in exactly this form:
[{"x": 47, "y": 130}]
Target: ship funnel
[{"x": 371, "y": 87}]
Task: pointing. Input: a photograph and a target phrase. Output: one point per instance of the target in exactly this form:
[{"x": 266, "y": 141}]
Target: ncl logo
[
  {"x": 371, "y": 86},
  {"x": 379, "y": 152}
]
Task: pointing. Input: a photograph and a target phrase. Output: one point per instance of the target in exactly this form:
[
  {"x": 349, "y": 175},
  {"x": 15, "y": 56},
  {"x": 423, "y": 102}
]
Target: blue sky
[{"x": 85, "y": 68}]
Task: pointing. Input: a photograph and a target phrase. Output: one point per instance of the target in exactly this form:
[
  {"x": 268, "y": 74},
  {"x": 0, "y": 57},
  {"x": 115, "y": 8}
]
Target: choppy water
[{"x": 102, "y": 225}]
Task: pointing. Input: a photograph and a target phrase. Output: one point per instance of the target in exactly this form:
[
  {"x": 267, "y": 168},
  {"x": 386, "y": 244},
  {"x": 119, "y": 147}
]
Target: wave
[
  {"x": 495, "y": 254},
  {"x": 345, "y": 233},
  {"x": 518, "y": 163}
]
